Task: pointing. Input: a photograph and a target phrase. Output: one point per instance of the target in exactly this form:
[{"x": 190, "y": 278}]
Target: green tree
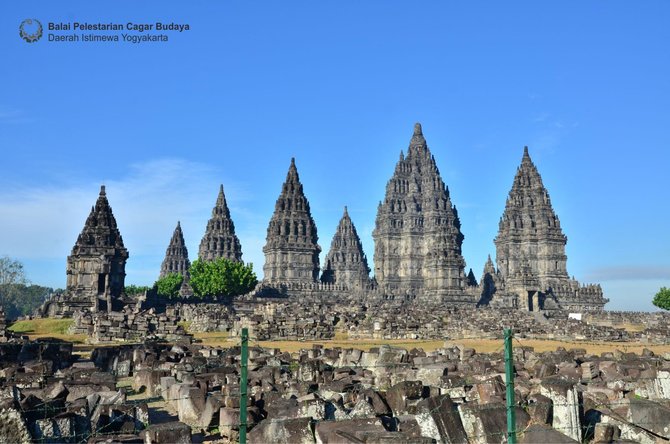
[
  {"x": 20, "y": 299},
  {"x": 221, "y": 277},
  {"x": 11, "y": 271},
  {"x": 662, "y": 299},
  {"x": 132, "y": 289},
  {"x": 169, "y": 285},
  {"x": 17, "y": 296}
]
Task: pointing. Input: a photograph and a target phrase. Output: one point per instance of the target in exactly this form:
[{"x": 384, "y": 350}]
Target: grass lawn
[
  {"x": 42, "y": 328},
  {"x": 223, "y": 339},
  {"x": 58, "y": 328}
]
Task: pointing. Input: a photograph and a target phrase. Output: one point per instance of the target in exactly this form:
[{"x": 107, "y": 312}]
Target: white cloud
[{"x": 42, "y": 223}]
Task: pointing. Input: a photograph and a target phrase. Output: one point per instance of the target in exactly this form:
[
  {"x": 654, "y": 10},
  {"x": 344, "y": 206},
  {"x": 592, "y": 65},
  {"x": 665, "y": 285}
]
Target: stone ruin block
[
  {"x": 353, "y": 430},
  {"x": 229, "y": 421},
  {"x": 404, "y": 396},
  {"x": 167, "y": 433},
  {"x": 283, "y": 431},
  {"x": 438, "y": 418},
  {"x": 487, "y": 423},
  {"x": 190, "y": 403}
]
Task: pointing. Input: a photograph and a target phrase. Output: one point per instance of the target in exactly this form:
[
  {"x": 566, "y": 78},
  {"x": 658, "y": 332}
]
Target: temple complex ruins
[{"x": 417, "y": 248}]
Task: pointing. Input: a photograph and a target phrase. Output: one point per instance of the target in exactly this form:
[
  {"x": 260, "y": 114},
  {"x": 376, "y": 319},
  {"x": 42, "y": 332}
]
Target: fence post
[
  {"x": 243, "y": 386},
  {"x": 509, "y": 384}
]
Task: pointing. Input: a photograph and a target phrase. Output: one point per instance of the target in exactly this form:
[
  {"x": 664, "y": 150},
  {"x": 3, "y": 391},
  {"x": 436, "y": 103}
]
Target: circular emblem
[{"x": 30, "y": 30}]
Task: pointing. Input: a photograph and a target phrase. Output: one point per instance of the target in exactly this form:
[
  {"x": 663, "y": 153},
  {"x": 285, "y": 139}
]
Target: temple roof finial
[
  {"x": 102, "y": 190},
  {"x": 417, "y": 129}
]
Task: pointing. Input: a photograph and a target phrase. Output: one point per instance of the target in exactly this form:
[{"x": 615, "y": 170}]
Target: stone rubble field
[{"x": 188, "y": 392}]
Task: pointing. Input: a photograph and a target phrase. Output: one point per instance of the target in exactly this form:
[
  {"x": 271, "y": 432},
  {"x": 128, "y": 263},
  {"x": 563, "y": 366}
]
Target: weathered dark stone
[
  {"x": 292, "y": 249},
  {"x": 220, "y": 239},
  {"x": 346, "y": 263},
  {"x": 540, "y": 433},
  {"x": 439, "y": 419},
  {"x": 417, "y": 231}
]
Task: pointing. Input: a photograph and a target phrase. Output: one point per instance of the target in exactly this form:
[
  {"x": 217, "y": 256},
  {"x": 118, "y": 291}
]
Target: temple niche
[
  {"x": 291, "y": 249},
  {"x": 417, "y": 232},
  {"x": 96, "y": 266}
]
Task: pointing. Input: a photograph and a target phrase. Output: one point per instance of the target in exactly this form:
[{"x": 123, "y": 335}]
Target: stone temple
[
  {"x": 417, "y": 248},
  {"x": 417, "y": 232},
  {"x": 220, "y": 239},
  {"x": 292, "y": 249},
  {"x": 176, "y": 255},
  {"x": 96, "y": 268},
  {"x": 530, "y": 249},
  {"x": 346, "y": 263}
]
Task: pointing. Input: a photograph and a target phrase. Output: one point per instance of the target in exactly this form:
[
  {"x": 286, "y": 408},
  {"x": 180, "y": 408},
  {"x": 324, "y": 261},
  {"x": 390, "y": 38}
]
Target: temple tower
[
  {"x": 417, "y": 232},
  {"x": 292, "y": 249},
  {"x": 96, "y": 266},
  {"x": 220, "y": 239},
  {"x": 176, "y": 255},
  {"x": 529, "y": 232},
  {"x": 346, "y": 262}
]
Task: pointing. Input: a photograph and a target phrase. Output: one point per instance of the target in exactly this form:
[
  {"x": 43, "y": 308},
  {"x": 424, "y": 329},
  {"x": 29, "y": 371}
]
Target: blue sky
[{"x": 339, "y": 86}]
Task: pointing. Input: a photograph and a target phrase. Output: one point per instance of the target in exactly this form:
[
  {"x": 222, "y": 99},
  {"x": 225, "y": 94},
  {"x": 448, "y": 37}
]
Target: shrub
[
  {"x": 662, "y": 299},
  {"x": 168, "y": 286},
  {"x": 221, "y": 277}
]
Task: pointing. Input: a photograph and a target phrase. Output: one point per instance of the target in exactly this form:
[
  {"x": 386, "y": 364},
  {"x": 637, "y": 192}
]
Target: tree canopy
[
  {"x": 662, "y": 298},
  {"x": 21, "y": 299},
  {"x": 221, "y": 277},
  {"x": 169, "y": 285},
  {"x": 132, "y": 289},
  {"x": 11, "y": 271}
]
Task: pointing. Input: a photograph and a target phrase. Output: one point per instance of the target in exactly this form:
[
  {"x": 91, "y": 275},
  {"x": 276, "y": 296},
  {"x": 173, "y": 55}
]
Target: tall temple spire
[
  {"x": 176, "y": 255},
  {"x": 220, "y": 239},
  {"x": 96, "y": 266},
  {"x": 530, "y": 229},
  {"x": 346, "y": 262},
  {"x": 292, "y": 249},
  {"x": 417, "y": 231}
]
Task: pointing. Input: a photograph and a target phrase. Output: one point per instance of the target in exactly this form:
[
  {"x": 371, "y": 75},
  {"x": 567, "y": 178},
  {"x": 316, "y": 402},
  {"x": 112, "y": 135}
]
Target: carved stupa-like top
[
  {"x": 528, "y": 210},
  {"x": 220, "y": 239},
  {"x": 100, "y": 232},
  {"x": 292, "y": 222},
  {"x": 176, "y": 256},
  {"x": 346, "y": 262}
]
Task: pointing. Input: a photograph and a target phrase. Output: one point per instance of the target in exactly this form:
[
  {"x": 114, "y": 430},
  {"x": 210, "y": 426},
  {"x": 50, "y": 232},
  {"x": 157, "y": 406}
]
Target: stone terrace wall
[
  {"x": 313, "y": 317},
  {"x": 129, "y": 326}
]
